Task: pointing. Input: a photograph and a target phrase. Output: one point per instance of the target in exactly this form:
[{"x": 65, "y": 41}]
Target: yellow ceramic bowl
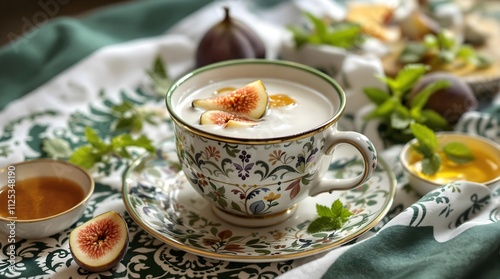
[
  {"x": 42, "y": 197},
  {"x": 485, "y": 168}
]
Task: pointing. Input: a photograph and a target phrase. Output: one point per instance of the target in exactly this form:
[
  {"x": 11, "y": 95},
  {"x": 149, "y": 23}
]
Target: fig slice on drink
[
  {"x": 249, "y": 101},
  {"x": 226, "y": 119}
]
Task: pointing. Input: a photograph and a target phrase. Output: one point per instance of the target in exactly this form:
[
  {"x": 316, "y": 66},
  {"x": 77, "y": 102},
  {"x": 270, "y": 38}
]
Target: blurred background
[{"x": 18, "y": 16}]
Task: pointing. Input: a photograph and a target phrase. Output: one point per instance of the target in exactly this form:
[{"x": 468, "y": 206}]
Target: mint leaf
[
  {"x": 324, "y": 211},
  {"x": 85, "y": 156},
  {"x": 330, "y": 218},
  {"x": 346, "y": 35},
  {"x": 434, "y": 120},
  {"x": 431, "y": 164},
  {"x": 400, "y": 118},
  {"x": 423, "y": 96},
  {"x": 89, "y": 155},
  {"x": 430, "y": 41},
  {"x": 458, "y": 152},
  {"x": 427, "y": 143},
  {"x": 132, "y": 123},
  {"x": 337, "y": 208},
  {"x": 126, "y": 140},
  {"x": 376, "y": 95},
  {"x": 319, "y": 26},
  {"x": 412, "y": 53},
  {"x": 320, "y": 224},
  {"x": 94, "y": 139},
  {"x": 407, "y": 78},
  {"x": 123, "y": 108},
  {"x": 384, "y": 110},
  {"x": 130, "y": 118},
  {"x": 446, "y": 40}
]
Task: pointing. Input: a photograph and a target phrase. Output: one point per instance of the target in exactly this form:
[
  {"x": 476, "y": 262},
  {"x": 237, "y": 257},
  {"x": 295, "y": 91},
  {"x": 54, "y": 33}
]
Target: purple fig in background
[
  {"x": 229, "y": 39},
  {"x": 451, "y": 102}
]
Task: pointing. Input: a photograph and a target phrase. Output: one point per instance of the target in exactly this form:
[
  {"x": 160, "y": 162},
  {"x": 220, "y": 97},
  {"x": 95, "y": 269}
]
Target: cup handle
[{"x": 364, "y": 147}]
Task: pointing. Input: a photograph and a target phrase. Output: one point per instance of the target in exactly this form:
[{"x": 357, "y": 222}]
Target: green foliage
[
  {"x": 443, "y": 48},
  {"x": 128, "y": 118},
  {"x": 100, "y": 151},
  {"x": 159, "y": 77},
  {"x": 427, "y": 145},
  {"x": 330, "y": 218},
  {"x": 395, "y": 110},
  {"x": 339, "y": 34}
]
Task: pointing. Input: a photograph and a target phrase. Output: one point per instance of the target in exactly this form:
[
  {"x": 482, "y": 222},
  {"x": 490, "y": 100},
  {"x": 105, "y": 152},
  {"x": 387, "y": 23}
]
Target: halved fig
[
  {"x": 100, "y": 243},
  {"x": 250, "y": 100},
  {"x": 226, "y": 119}
]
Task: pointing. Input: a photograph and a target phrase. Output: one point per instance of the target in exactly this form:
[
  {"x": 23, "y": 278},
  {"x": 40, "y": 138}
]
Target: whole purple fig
[{"x": 229, "y": 39}]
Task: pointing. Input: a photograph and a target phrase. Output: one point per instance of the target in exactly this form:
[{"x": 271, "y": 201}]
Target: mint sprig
[
  {"x": 427, "y": 145},
  {"x": 330, "y": 218},
  {"x": 443, "y": 48},
  {"x": 395, "y": 110},
  {"x": 344, "y": 35},
  {"x": 130, "y": 118},
  {"x": 100, "y": 151}
]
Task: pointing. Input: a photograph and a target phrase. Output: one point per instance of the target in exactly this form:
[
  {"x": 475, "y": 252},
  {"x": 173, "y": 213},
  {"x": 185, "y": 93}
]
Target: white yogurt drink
[{"x": 310, "y": 110}]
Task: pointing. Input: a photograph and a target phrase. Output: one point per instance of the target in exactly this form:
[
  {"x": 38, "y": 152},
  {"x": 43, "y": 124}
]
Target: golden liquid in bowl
[
  {"x": 485, "y": 167},
  {"x": 39, "y": 197}
]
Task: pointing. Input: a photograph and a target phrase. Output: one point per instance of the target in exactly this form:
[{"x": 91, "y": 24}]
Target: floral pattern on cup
[{"x": 250, "y": 182}]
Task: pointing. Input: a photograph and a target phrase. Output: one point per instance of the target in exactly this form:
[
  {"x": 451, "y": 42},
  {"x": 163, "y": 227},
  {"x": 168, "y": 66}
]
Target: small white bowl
[
  {"x": 42, "y": 227},
  {"x": 423, "y": 185}
]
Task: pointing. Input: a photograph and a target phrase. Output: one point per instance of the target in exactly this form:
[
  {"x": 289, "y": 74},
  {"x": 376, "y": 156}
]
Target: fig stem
[{"x": 227, "y": 16}]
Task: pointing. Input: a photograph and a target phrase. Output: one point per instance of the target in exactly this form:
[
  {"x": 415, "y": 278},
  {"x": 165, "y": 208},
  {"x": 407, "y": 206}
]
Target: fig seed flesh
[
  {"x": 250, "y": 101},
  {"x": 100, "y": 243},
  {"x": 226, "y": 119}
]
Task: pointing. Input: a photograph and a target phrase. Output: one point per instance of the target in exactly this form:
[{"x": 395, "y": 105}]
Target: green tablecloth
[{"x": 67, "y": 74}]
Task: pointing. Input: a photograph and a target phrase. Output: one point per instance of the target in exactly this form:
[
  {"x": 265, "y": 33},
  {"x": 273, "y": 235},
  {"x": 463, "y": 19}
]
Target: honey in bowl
[
  {"x": 484, "y": 168},
  {"x": 41, "y": 197}
]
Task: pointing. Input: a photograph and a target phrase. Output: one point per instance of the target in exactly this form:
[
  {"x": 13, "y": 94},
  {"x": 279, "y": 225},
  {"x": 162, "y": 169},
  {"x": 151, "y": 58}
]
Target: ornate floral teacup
[{"x": 257, "y": 180}]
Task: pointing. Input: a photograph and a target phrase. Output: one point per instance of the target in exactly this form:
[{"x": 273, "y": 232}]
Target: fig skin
[
  {"x": 226, "y": 119},
  {"x": 93, "y": 232},
  {"x": 250, "y": 101},
  {"x": 451, "y": 102},
  {"x": 229, "y": 39}
]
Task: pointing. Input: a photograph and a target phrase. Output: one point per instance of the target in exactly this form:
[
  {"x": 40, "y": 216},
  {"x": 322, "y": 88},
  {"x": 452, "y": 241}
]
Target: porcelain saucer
[{"x": 160, "y": 199}]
